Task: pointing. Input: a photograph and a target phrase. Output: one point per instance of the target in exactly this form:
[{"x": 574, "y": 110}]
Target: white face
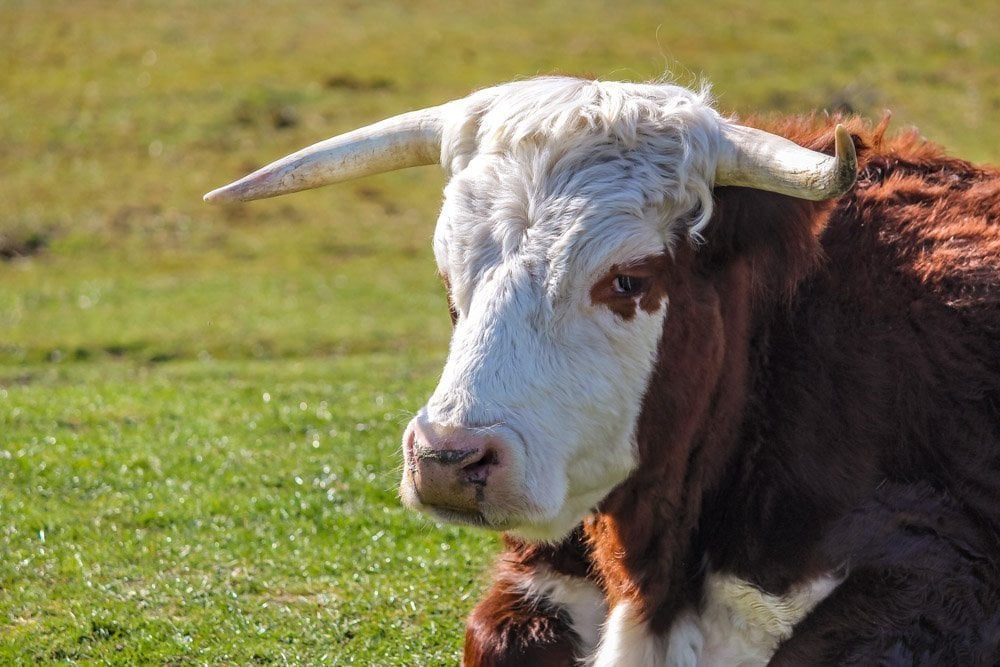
[{"x": 555, "y": 263}]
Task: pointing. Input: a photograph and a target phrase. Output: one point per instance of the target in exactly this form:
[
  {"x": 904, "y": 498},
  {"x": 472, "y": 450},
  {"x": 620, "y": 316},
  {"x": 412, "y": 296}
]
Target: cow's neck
[
  {"x": 649, "y": 535},
  {"x": 642, "y": 534}
]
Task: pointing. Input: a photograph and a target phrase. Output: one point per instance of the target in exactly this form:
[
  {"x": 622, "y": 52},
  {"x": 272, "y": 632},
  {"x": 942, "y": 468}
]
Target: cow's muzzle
[{"x": 463, "y": 474}]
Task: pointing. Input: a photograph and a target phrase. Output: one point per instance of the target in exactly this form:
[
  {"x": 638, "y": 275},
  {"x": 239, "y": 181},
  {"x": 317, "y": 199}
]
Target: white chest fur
[
  {"x": 743, "y": 625},
  {"x": 738, "y": 624}
]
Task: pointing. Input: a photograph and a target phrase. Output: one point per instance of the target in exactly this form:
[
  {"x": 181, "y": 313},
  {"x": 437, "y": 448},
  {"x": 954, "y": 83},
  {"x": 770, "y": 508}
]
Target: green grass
[
  {"x": 218, "y": 512},
  {"x": 200, "y": 408}
]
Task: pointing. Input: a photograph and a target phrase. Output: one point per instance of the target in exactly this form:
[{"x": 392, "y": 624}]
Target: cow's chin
[
  {"x": 521, "y": 518},
  {"x": 464, "y": 518},
  {"x": 511, "y": 511},
  {"x": 557, "y": 527}
]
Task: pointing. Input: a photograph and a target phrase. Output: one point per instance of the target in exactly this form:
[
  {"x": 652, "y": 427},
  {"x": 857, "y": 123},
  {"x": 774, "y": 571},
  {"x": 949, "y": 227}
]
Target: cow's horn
[
  {"x": 407, "y": 140},
  {"x": 756, "y": 159}
]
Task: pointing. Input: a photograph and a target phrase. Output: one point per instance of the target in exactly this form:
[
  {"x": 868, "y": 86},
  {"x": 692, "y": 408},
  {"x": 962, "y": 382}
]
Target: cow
[{"x": 730, "y": 389}]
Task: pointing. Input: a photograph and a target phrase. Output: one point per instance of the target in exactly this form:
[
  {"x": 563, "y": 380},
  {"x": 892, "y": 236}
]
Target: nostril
[{"x": 477, "y": 470}]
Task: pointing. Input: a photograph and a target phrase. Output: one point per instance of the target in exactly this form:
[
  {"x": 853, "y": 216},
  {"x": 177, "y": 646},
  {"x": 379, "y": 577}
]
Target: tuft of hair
[{"x": 674, "y": 130}]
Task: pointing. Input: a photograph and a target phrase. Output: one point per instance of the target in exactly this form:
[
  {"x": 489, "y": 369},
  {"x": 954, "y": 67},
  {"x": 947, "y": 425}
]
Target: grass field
[{"x": 199, "y": 407}]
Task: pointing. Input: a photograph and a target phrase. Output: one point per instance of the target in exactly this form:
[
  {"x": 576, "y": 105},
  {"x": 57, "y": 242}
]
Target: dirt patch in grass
[{"x": 21, "y": 243}]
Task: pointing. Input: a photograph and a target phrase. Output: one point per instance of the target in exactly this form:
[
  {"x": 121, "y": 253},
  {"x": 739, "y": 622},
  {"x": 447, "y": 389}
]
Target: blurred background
[{"x": 200, "y": 406}]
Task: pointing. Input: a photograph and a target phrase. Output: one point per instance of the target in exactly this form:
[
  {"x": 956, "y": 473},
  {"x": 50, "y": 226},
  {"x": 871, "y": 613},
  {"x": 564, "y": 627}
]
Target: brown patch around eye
[
  {"x": 650, "y": 273},
  {"x": 452, "y": 311}
]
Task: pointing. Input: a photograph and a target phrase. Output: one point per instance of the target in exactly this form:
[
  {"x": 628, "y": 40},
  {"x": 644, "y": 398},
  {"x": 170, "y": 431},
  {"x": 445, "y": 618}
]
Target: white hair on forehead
[{"x": 669, "y": 135}]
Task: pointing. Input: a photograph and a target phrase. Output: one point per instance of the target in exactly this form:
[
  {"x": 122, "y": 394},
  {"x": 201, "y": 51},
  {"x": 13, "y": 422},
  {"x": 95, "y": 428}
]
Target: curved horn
[
  {"x": 756, "y": 159},
  {"x": 407, "y": 140}
]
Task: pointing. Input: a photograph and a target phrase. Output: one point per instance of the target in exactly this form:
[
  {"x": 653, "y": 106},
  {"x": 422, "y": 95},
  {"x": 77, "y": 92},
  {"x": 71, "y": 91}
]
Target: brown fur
[
  {"x": 826, "y": 398},
  {"x": 506, "y": 629}
]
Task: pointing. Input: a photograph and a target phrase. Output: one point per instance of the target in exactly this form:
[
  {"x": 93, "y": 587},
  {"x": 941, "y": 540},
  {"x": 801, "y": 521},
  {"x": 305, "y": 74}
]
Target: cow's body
[
  {"x": 777, "y": 419},
  {"x": 848, "y": 443}
]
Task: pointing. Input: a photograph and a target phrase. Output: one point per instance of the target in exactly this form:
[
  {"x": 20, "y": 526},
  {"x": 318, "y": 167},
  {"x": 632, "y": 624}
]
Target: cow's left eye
[{"x": 627, "y": 285}]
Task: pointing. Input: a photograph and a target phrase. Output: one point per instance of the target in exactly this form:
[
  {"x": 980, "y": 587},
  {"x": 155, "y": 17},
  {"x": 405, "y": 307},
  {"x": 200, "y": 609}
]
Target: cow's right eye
[{"x": 627, "y": 285}]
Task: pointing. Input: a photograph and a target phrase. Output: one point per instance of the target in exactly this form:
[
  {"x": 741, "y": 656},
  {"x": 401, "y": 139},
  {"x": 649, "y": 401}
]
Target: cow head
[{"x": 565, "y": 200}]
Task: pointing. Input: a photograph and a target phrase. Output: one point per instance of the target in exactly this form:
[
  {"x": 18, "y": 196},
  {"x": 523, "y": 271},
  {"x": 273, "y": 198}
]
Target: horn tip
[
  {"x": 227, "y": 194},
  {"x": 844, "y": 144},
  {"x": 847, "y": 159},
  {"x": 214, "y": 197}
]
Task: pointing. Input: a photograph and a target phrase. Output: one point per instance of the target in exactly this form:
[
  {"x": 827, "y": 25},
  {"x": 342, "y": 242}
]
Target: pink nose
[{"x": 450, "y": 468}]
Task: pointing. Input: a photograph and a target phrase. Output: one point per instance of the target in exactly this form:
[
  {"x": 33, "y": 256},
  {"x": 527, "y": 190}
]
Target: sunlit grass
[{"x": 211, "y": 512}]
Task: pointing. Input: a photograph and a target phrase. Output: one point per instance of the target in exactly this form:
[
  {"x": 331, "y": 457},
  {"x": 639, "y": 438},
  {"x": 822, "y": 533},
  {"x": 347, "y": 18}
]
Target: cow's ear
[{"x": 777, "y": 234}]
